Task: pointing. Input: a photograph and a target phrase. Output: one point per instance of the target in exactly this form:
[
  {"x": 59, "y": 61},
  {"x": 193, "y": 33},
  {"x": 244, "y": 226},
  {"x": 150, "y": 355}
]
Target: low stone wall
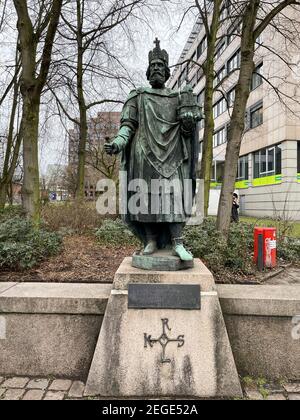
[
  {"x": 259, "y": 322},
  {"x": 52, "y": 329}
]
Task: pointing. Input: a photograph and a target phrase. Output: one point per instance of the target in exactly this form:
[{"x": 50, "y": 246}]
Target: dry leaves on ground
[{"x": 83, "y": 260}]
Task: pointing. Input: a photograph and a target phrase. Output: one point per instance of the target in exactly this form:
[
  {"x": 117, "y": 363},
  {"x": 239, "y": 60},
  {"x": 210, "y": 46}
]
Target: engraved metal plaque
[{"x": 164, "y": 296}]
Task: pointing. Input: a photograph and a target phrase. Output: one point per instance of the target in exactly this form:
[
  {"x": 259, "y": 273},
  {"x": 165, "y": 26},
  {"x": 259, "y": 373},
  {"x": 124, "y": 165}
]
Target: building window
[
  {"x": 182, "y": 76},
  {"x": 267, "y": 162},
  {"x": 202, "y": 47},
  {"x": 217, "y": 172},
  {"x": 220, "y": 49},
  {"x": 199, "y": 74},
  {"x": 194, "y": 81},
  {"x": 231, "y": 97},
  {"x": 233, "y": 32},
  {"x": 221, "y": 74},
  {"x": 259, "y": 40},
  {"x": 256, "y": 116},
  {"x": 191, "y": 63},
  {"x": 234, "y": 62},
  {"x": 224, "y": 13},
  {"x": 219, "y": 107},
  {"x": 201, "y": 97},
  {"x": 243, "y": 168},
  {"x": 257, "y": 80},
  {"x": 220, "y": 137}
]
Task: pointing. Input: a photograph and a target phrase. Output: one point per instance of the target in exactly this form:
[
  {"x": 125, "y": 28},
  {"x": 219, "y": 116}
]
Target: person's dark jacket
[{"x": 235, "y": 212}]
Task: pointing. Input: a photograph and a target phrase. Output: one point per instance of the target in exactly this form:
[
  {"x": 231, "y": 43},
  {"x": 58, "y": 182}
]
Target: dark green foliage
[
  {"x": 289, "y": 250},
  {"x": 206, "y": 243},
  {"x": 22, "y": 246},
  {"x": 10, "y": 212}
]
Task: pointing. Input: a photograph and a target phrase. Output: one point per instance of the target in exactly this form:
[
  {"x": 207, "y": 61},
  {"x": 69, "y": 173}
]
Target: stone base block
[{"x": 164, "y": 352}]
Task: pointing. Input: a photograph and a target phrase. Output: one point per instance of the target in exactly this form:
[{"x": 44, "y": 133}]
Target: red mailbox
[{"x": 265, "y": 247}]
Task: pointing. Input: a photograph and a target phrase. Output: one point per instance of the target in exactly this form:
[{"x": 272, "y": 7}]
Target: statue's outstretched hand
[{"x": 111, "y": 149}]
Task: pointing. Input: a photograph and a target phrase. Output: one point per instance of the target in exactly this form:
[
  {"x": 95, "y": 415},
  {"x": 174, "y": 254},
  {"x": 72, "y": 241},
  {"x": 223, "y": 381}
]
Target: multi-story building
[
  {"x": 100, "y": 130},
  {"x": 268, "y": 176}
]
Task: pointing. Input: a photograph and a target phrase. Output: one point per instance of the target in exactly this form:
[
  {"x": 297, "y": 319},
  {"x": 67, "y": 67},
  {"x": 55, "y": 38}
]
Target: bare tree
[
  {"x": 89, "y": 33},
  {"x": 9, "y": 102},
  {"x": 103, "y": 130},
  {"x": 211, "y": 21},
  {"x": 34, "y": 36},
  {"x": 256, "y": 16},
  {"x": 12, "y": 146}
]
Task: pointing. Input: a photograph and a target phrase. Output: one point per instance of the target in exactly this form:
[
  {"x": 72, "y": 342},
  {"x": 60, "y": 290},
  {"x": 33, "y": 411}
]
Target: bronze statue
[{"x": 159, "y": 141}]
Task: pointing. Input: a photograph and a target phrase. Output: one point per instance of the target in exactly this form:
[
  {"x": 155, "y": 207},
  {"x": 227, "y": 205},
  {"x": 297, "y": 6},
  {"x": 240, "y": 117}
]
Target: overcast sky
[
  {"x": 162, "y": 23},
  {"x": 164, "y": 26}
]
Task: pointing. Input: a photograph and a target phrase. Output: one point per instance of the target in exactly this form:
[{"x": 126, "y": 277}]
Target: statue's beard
[{"x": 157, "y": 80}]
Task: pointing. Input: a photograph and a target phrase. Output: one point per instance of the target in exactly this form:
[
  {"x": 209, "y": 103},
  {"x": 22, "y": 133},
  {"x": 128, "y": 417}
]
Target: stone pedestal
[{"x": 163, "y": 352}]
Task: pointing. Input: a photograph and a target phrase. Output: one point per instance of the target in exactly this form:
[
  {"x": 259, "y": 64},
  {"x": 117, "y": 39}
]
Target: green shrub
[
  {"x": 116, "y": 233},
  {"x": 206, "y": 243},
  {"x": 289, "y": 250},
  {"x": 9, "y": 212},
  {"x": 22, "y": 246}
]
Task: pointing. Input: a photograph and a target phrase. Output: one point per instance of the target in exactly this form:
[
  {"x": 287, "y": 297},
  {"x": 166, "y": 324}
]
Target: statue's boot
[
  {"x": 180, "y": 251},
  {"x": 151, "y": 247}
]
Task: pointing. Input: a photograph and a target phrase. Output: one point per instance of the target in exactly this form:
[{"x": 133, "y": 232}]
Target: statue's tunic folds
[{"x": 154, "y": 147}]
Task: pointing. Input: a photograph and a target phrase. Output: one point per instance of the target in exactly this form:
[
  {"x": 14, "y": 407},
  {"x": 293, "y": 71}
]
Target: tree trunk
[
  {"x": 31, "y": 184},
  {"x": 2, "y": 196},
  {"x": 32, "y": 85},
  {"x": 207, "y": 154},
  {"x": 81, "y": 151},
  {"x": 237, "y": 123},
  {"x": 207, "y": 149},
  {"x": 83, "y": 131}
]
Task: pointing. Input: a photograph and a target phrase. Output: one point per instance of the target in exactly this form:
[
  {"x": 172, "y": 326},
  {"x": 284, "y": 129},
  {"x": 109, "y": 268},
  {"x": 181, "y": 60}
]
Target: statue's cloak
[{"x": 158, "y": 148}]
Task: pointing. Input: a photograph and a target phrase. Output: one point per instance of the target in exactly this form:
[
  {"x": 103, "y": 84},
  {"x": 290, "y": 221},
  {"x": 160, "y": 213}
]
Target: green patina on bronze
[{"x": 158, "y": 140}]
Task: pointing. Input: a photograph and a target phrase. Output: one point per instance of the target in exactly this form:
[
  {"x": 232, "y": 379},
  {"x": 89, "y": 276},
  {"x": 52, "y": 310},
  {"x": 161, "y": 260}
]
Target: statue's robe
[{"x": 155, "y": 147}]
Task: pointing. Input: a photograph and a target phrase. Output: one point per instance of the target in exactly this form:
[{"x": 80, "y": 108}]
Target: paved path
[
  {"x": 24, "y": 388},
  {"x": 289, "y": 276}
]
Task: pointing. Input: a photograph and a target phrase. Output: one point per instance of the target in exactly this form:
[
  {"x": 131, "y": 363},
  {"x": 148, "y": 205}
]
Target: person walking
[{"x": 235, "y": 218}]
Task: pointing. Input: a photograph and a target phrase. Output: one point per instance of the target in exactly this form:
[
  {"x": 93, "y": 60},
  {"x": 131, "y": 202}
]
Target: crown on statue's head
[{"x": 158, "y": 53}]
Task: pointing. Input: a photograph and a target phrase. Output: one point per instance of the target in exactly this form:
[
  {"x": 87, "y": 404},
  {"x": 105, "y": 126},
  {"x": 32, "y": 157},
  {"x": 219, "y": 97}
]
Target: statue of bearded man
[{"x": 159, "y": 144}]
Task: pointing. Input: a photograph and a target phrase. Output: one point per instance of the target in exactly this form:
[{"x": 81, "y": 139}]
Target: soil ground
[{"x": 83, "y": 260}]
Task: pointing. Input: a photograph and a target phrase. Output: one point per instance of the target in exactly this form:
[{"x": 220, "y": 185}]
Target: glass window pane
[
  {"x": 241, "y": 166},
  {"x": 271, "y": 160},
  {"x": 246, "y": 168},
  {"x": 279, "y": 157},
  {"x": 256, "y": 117},
  {"x": 220, "y": 171},
  {"x": 263, "y": 161},
  {"x": 256, "y": 165}
]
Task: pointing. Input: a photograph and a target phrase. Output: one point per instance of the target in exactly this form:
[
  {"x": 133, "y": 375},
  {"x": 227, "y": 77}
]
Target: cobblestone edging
[
  {"x": 20, "y": 388},
  {"x": 25, "y": 388}
]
